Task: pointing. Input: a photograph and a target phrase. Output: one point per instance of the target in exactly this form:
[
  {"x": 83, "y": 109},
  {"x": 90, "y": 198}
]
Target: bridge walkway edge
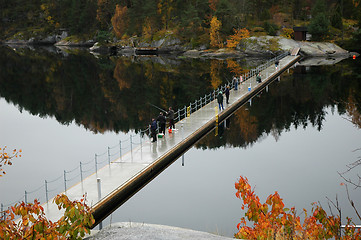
[{"x": 125, "y": 177}]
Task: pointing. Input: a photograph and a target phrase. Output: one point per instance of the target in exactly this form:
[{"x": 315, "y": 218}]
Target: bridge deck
[{"x": 124, "y": 177}]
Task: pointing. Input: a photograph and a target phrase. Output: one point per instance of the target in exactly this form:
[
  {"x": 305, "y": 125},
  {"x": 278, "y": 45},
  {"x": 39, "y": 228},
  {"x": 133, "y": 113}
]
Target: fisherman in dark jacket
[
  {"x": 153, "y": 129},
  {"x": 170, "y": 116},
  {"x": 161, "y": 119},
  {"x": 220, "y": 100}
]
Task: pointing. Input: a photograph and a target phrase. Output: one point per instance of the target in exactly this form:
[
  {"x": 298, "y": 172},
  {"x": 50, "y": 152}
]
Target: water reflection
[
  {"x": 107, "y": 93},
  {"x": 299, "y": 100},
  {"x": 113, "y": 94}
]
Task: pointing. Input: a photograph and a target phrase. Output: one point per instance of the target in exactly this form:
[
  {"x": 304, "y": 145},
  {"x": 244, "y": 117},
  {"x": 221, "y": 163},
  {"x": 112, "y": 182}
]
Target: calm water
[{"x": 61, "y": 109}]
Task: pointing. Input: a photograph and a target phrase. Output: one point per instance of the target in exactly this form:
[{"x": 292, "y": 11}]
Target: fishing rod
[{"x": 157, "y": 107}]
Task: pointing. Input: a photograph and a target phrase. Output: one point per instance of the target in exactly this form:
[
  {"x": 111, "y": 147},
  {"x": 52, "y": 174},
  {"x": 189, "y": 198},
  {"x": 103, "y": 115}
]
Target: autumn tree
[
  {"x": 271, "y": 220},
  {"x": 28, "y": 220},
  {"x": 239, "y": 34},
  {"x": 120, "y": 20},
  {"x": 165, "y": 9},
  {"x": 33, "y": 224},
  {"x": 213, "y": 4},
  {"x": 105, "y": 12},
  {"x": 214, "y": 33}
]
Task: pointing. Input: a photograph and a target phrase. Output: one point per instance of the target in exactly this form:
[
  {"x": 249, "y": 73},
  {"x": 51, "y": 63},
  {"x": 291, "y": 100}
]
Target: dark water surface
[{"x": 62, "y": 108}]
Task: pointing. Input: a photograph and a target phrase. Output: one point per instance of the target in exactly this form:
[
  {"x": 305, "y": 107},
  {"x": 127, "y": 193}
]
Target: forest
[{"x": 190, "y": 20}]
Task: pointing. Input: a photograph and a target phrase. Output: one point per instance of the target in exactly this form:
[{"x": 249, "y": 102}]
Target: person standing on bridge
[
  {"x": 161, "y": 119},
  {"x": 227, "y": 94},
  {"x": 170, "y": 115},
  {"x": 220, "y": 100},
  {"x": 276, "y": 64},
  {"x": 258, "y": 78},
  {"x": 235, "y": 80},
  {"x": 153, "y": 130}
]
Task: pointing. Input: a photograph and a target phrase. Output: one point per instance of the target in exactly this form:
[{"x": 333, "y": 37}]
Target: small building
[{"x": 300, "y": 33}]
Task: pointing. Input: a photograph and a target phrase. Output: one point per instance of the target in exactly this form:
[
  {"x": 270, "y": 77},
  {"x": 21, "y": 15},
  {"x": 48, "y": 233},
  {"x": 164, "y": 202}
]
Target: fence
[{"x": 86, "y": 168}]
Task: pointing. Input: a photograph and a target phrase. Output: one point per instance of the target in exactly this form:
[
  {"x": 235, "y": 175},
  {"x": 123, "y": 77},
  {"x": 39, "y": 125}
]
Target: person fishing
[
  {"x": 161, "y": 119},
  {"x": 153, "y": 129},
  {"x": 170, "y": 116},
  {"x": 220, "y": 100}
]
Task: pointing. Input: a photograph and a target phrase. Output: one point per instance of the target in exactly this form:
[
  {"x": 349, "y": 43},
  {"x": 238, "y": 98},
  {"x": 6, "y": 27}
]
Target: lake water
[{"x": 62, "y": 108}]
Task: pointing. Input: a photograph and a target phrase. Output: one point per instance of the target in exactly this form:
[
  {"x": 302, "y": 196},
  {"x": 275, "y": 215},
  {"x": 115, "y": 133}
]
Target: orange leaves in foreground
[
  {"x": 5, "y": 158},
  {"x": 33, "y": 224},
  {"x": 272, "y": 221}
]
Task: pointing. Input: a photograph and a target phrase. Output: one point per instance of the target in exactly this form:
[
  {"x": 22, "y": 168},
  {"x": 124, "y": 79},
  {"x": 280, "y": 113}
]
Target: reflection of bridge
[{"x": 113, "y": 184}]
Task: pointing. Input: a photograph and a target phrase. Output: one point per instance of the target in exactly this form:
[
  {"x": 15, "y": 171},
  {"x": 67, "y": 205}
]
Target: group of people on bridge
[{"x": 162, "y": 119}]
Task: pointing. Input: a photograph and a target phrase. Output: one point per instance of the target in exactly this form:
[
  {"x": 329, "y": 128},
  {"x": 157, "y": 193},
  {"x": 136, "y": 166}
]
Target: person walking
[
  {"x": 235, "y": 80},
  {"x": 227, "y": 94},
  {"x": 258, "y": 78},
  {"x": 220, "y": 100},
  {"x": 153, "y": 130},
  {"x": 170, "y": 116},
  {"x": 161, "y": 119},
  {"x": 240, "y": 79},
  {"x": 276, "y": 64}
]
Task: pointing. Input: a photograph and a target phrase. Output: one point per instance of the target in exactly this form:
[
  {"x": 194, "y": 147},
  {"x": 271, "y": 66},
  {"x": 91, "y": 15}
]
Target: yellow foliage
[
  {"x": 147, "y": 29},
  {"x": 287, "y": 32},
  {"x": 214, "y": 33}
]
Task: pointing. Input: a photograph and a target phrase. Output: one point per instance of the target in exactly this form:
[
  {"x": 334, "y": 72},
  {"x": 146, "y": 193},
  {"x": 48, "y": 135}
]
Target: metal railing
[{"x": 87, "y": 168}]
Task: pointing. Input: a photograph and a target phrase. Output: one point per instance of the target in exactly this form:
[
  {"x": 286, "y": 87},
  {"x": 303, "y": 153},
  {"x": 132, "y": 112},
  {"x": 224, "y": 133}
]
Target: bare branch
[{"x": 351, "y": 202}]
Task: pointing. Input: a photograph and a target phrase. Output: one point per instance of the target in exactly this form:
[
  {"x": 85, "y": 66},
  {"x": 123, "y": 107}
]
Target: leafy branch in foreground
[
  {"x": 5, "y": 158},
  {"x": 272, "y": 221},
  {"x": 33, "y": 224}
]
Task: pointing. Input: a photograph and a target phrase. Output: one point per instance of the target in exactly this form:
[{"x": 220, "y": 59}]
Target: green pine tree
[{"x": 319, "y": 24}]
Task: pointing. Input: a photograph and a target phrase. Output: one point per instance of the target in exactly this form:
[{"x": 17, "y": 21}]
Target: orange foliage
[
  {"x": 234, "y": 39},
  {"x": 120, "y": 20},
  {"x": 235, "y": 67},
  {"x": 119, "y": 75},
  {"x": 353, "y": 112},
  {"x": 104, "y": 12},
  {"x": 5, "y": 158},
  {"x": 213, "y": 4},
  {"x": 215, "y": 79},
  {"x": 33, "y": 224},
  {"x": 248, "y": 125},
  {"x": 271, "y": 220}
]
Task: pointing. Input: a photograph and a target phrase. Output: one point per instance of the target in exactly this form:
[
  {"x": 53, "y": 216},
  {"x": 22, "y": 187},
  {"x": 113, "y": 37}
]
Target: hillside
[{"x": 200, "y": 22}]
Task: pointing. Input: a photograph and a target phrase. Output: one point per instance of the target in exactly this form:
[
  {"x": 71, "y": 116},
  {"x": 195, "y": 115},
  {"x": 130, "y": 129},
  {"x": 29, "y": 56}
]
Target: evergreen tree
[
  {"x": 319, "y": 24},
  {"x": 336, "y": 17}
]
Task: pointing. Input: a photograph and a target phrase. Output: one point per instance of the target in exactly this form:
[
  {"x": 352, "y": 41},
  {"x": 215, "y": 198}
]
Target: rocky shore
[{"x": 265, "y": 46}]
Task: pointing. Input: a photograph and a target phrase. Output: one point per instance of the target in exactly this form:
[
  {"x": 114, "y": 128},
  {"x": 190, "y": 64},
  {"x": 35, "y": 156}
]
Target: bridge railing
[
  {"x": 68, "y": 178},
  {"x": 185, "y": 111},
  {"x": 52, "y": 187}
]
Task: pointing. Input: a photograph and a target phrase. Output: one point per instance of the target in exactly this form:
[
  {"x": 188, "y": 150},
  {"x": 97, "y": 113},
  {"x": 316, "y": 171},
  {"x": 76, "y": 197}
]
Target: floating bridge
[{"x": 113, "y": 184}]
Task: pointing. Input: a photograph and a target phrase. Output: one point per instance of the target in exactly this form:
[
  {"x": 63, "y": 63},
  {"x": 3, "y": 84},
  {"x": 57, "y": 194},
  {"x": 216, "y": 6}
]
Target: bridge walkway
[{"x": 123, "y": 177}]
